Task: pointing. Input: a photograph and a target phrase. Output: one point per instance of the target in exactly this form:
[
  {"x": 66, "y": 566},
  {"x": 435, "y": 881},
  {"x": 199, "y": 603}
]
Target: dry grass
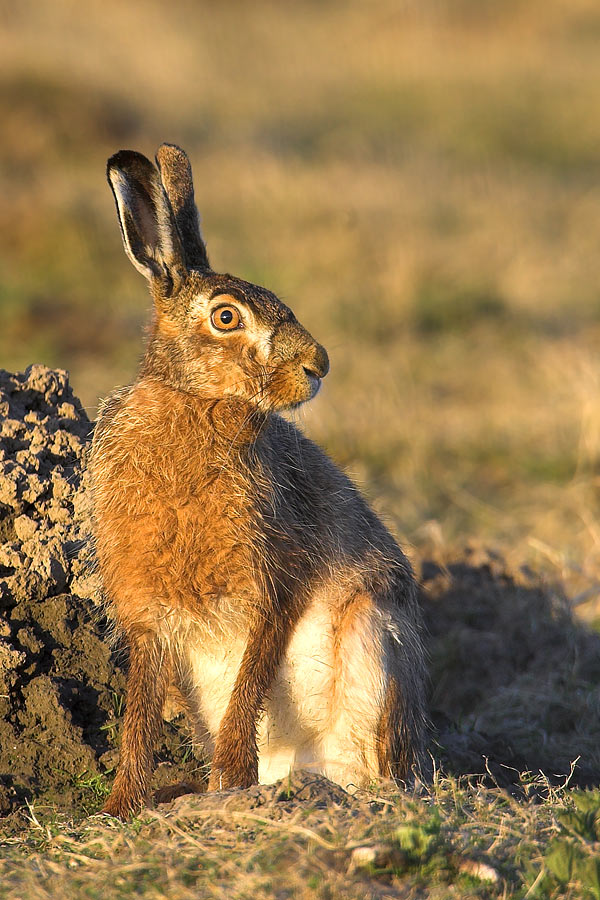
[{"x": 306, "y": 839}]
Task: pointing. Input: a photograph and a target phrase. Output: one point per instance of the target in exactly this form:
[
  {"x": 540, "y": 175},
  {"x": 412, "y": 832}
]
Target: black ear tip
[
  {"x": 128, "y": 161},
  {"x": 122, "y": 158}
]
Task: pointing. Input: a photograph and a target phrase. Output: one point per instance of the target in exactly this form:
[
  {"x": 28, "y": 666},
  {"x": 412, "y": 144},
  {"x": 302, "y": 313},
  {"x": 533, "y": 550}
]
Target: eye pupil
[{"x": 226, "y": 318}]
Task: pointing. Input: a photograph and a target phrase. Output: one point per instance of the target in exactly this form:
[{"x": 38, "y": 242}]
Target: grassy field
[
  {"x": 452, "y": 840},
  {"x": 420, "y": 181}
]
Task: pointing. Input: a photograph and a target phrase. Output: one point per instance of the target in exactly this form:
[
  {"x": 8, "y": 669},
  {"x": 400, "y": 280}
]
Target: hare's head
[{"x": 213, "y": 335}]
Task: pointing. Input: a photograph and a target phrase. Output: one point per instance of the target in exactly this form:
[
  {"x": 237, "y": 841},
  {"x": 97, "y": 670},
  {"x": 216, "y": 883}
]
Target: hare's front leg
[
  {"x": 147, "y": 684},
  {"x": 235, "y": 760}
]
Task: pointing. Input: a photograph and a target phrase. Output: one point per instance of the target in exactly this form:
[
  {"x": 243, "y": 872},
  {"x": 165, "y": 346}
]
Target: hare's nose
[{"x": 318, "y": 366}]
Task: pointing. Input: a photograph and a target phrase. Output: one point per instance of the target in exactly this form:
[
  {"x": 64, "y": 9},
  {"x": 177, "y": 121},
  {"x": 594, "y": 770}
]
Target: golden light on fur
[{"x": 247, "y": 573}]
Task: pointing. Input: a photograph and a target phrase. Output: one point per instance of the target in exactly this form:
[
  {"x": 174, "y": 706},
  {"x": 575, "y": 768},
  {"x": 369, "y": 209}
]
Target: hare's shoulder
[
  {"x": 316, "y": 498},
  {"x": 109, "y": 409},
  {"x": 310, "y": 483},
  {"x": 301, "y": 460}
]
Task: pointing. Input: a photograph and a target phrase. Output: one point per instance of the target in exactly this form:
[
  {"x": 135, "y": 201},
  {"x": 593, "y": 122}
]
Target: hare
[{"x": 247, "y": 574}]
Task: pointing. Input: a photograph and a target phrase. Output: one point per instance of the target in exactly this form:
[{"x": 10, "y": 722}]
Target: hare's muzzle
[
  {"x": 299, "y": 365},
  {"x": 317, "y": 365},
  {"x": 316, "y": 368}
]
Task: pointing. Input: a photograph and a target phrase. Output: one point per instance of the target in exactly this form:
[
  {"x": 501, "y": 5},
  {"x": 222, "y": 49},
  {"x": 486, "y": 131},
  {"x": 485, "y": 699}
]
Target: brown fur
[
  {"x": 147, "y": 684},
  {"x": 215, "y": 516},
  {"x": 394, "y": 752}
]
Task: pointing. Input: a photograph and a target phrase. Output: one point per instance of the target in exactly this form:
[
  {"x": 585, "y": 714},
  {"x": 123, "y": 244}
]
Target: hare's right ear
[
  {"x": 176, "y": 175},
  {"x": 148, "y": 227}
]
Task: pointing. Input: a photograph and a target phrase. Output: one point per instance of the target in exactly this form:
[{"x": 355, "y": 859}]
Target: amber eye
[{"x": 226, "y": 318}]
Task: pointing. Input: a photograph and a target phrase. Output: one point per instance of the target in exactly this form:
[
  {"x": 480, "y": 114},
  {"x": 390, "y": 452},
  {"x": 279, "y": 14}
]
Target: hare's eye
[{"x": 226, "y": 318}]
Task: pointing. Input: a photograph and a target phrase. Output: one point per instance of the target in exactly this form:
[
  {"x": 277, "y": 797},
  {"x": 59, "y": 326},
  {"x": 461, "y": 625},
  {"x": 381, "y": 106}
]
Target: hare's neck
[
  {"x": 209, "y": 423},
  {"x": 161, "y": 364}
]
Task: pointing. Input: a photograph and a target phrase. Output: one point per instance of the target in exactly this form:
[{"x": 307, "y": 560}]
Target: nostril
[{"x": 311, "y": 372}]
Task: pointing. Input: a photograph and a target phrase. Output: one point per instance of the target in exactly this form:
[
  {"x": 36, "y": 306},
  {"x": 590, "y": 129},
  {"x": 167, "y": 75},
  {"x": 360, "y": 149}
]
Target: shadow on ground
[{"x": 515, "y": 678}]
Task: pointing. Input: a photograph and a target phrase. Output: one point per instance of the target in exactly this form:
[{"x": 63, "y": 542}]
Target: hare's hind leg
[
  {"x": 147, "y": 684},
  {"x": 376, "y": 723},
  {"x": 399, "y": 738}
]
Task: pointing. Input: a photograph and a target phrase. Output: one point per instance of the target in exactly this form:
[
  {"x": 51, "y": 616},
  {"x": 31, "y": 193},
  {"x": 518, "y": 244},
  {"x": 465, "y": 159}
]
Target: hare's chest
[{"x": 201, "y": 547}]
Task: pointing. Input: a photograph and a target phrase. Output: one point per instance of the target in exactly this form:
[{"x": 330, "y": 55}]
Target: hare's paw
[
  {"x": 224, "y": 780},
  {"x": 122, "y": 805},
  {"x": 172, "y": 791},
  {"x": 236, "y": 768}
]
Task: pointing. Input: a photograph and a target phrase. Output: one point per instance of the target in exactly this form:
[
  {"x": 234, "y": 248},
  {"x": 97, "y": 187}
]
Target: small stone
[
  {"x": 477, "y": 869},
  {"x": 377, "y": 856}
]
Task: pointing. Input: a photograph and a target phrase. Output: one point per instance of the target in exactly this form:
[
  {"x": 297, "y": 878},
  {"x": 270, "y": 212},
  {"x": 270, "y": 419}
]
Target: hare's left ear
[
  {"x": 148, "y": 227},
  {"x": 176, "y": 175}
]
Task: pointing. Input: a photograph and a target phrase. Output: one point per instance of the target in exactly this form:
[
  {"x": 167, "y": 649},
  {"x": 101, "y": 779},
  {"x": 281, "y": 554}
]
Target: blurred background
[{"x": 419, "y": 180}]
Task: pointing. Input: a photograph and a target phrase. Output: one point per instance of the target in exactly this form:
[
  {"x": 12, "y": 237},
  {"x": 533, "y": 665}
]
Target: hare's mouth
[
  {"x": 290, "y": 387},
  {"x": 314, "y": 381}
]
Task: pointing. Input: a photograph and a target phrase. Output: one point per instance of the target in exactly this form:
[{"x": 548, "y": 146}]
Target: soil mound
[
  {"x": 515, "y": 680},
  {"x": 61, "y": 690},
  {"x": 279, "y": 798}
]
